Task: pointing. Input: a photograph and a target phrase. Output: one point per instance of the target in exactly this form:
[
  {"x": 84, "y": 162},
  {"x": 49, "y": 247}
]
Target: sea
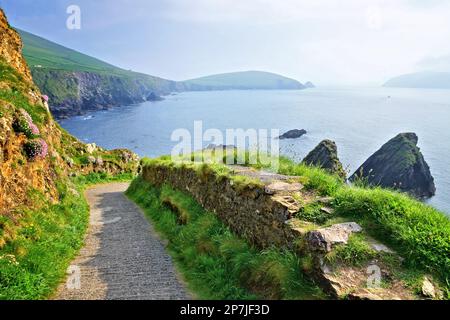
[{"x": 360, "y": 120}]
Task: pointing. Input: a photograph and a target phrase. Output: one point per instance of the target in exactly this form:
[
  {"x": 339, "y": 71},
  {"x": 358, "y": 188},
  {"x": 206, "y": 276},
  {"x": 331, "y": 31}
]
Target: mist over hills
[
  {"x": 426, "y": 79},
  {"x": 77, "y": 83}
]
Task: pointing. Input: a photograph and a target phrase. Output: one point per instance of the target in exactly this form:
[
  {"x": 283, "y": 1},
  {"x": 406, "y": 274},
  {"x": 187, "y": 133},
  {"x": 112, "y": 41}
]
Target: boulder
[
  {"x": 91, "y": 148},
  {"x": 428, "y": 289},
  {"x": 400, "y": 165},
  {"x": 325, "y": 156},
  {"x": 293, "y": 134},
  {"x": 325, "y": 239}
]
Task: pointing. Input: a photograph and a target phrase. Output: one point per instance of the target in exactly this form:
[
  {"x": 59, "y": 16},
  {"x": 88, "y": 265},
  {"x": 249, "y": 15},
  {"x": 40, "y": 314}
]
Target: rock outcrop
[
  {"x": 325, "y": 156},
  {"x": 11, "y": 48},
  {"x": 327, "y": 238},
  {"x": 293, "y": 134},
  {"x": 400, "y": 165}
]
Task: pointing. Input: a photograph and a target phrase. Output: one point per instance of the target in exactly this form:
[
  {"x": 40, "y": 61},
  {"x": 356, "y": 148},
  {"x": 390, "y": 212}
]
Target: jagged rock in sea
[
  {"x": 309, "y": 85},
  {"x": 400, "y": 165},
  {"x": 293, "y": 134},
  {"x": 325, "y": 156}
]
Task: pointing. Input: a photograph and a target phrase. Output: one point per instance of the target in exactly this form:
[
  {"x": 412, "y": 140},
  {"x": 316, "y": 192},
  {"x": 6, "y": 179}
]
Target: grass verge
[
  {"x": 33, "y": 263},
  {"x": 215, "y": 262}
]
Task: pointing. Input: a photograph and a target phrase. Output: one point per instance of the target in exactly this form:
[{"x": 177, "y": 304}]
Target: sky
[{"x": 329, "y": 42}]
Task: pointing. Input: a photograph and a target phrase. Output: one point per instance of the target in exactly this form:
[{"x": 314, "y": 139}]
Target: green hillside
[
  {"x": 41, "y": 52},
  {"x": 243, "y": 81},
  {"x": 77, "y": 83}
]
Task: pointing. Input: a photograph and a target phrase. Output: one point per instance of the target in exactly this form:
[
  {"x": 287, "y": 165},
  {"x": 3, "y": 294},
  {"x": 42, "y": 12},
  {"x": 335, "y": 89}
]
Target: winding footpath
[{"x": 122, "y": 258}]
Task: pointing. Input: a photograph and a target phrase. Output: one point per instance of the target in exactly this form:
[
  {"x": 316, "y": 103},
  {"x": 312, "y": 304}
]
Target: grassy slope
[
  {"x": 39, "y": 51},
  {"x": 418, "y": 232},
  {"x": 244, "y": 80},
  {"x": 216, "y": 263},
  {"x": 54, "y": 76}
]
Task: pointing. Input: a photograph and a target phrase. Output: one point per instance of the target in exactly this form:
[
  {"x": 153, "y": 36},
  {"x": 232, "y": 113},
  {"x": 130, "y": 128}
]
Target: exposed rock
[
  {"x": 70, "y": 162},
  {"x": 325, "y": 239},
  {"x": 99, "y": 161},
  {"x": 428, "y": 289},
  {"x": 400, "y": 165},
  {"x": 325, "y": 156},
  {"x": 91, "y": 148},
  {"x": 327, "y": 210},
  {"x": 153, "y": 97},
  {"x": 379, "y": 247},
  {"x": 280, "y": 187},
  {"x": 309, "y": 85},
  {"x": 127, "y": 155},
  {"x": 91, "y": 159},
  {"x": 293, "y": 134},
  {"x": 11, "y": 48}
]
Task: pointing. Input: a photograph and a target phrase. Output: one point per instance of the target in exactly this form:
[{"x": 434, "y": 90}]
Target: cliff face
[
  {"x": 75, "y": 93},
  {"x": 11, "y": 48},
  {"x": 400, "y": 165},
  {"x": 35, "y": 154}
]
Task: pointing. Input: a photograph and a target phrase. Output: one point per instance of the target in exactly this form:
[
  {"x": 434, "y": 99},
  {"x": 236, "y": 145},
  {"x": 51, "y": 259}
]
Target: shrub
[
  {"x": 36, "y": 149},
  {"x": 23, "y": 123}
]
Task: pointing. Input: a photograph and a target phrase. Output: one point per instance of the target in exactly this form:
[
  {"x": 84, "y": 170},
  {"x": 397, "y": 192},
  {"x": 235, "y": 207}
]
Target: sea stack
[
  {"x": 400, "y": 165},
  {"x": 293, "y": 134},
  {"x": 325, "y": 156}
]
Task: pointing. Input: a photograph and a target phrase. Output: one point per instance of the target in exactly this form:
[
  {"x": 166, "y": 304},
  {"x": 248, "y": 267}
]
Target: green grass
[
  {"x": 418, "y": 232},
  {"x": 215, "y": 262},
  {"x": 357, "y": 252},
  {"x": 243, "y": 80},
  {"x": 13, "y": 94},
  {"x": 35, "y": 260},
  {"x": 53, "y": 67}
]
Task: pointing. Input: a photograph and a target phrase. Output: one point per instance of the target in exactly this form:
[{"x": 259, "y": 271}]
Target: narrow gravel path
[{"x": 122, "y": 257}]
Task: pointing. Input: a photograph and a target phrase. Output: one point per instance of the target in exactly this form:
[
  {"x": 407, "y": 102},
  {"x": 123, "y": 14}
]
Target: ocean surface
[{"x": 360, "y": 120}]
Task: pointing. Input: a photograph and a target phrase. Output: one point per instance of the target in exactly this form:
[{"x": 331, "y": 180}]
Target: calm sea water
[{"x": 360, "y": 120}]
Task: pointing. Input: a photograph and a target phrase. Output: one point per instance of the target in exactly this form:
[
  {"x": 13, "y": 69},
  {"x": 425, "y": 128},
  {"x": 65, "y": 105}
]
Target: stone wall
[
  {"x": 264, "y": 214},
  {"x": 249, "y": 211}
]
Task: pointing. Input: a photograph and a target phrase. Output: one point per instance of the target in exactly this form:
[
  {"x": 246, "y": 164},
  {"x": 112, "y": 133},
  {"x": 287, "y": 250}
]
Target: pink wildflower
[{"x": 34, "y": 129}]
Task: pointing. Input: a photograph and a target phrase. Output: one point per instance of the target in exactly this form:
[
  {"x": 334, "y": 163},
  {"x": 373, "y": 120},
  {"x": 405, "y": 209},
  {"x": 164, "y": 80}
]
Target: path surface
[{"x": 122, "y": 257}]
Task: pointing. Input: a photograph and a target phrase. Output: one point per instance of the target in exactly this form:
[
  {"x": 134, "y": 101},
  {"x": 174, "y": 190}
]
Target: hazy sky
[{"x": 325, "y": 41}]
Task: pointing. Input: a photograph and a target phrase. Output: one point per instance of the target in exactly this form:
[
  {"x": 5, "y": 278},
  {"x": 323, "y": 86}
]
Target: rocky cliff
[
  {"x": 77, "y": 92},
  {"x": 325, "y": 156},
  {"x": 11, "y": 48},
  {"x": 400, "y": 165},
  {"x": 77, "y": 83},
  {"x": 36, "y": 155}
]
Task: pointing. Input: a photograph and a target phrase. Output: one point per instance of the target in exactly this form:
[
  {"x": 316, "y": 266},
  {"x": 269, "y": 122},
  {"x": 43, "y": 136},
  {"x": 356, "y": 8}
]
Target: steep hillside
[
  {"x": 42, "y": 213},
  {"x": 427, "y": 80},
  {"x": 243, "y": 81},
  {"x": 77, "y": 83}
]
